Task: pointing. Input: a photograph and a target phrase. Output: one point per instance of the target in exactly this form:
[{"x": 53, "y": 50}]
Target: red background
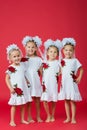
[{"x": 47, "y": 19}]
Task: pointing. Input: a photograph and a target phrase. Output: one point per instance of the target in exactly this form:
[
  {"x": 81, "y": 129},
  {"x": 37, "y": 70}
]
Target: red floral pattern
[
  {"x": 11, "y": 69},
  {"x": 73, "y": 76},
  {"x": 18, "y": 91},
  {"x": 44, "y": 87},
  {"x": 45, "y": 66},
  {"x": 38, "y": 72},
  {"x": 23, "y": 59},
  {"x": 62, "y": 63}
]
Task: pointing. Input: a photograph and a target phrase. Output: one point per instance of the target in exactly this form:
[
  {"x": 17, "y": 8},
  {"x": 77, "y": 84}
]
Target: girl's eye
[
  {"x": 14, "y": 56},
  {"x": 18, "y": 55}
]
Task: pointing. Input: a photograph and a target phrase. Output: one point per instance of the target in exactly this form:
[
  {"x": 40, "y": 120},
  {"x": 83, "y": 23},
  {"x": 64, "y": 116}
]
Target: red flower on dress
[
  {"x": 73, "y": 76},
  {"x": 23, "y": 59},
  {"x": 62, "y": 63},
  {"x": 38, "y": 72},
  {"x": 11, "y": 69},
  {"x": 44, "y": 87},
  {"x": 45, "y": 66},
  {"x": 18, "y": 91}
]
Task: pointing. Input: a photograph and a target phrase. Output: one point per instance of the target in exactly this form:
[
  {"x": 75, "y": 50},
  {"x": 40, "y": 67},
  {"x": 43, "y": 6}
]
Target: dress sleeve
[
  {"x": 40, "y": 62},
  {"x": 78, "y": 64},
  {"x": 7, "y": 72}
]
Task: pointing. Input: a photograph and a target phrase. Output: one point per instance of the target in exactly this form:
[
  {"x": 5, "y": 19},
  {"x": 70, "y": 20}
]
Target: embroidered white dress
[
  {"x": 18, "y": 82},
  {"x": 34, "y": 63},
  {"x": 50, "y": 80},
  {"x": 69, "y": 88}
]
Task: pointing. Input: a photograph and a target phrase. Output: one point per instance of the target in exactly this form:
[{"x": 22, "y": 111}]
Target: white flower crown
[
  {"x": 69, "y": 41},
  {"x": 36, "y": 39},
  {"x": 11, "y": 47},
  {"x": 50, "y": 42}
]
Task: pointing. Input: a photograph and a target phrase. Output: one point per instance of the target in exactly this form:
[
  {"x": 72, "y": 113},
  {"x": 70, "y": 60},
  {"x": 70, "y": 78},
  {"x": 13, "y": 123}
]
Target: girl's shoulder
[
  {"x": 24, "y": 59},
  {"x": 11, "y": 69},
  {"x": 11, "y": 66},
  {"x": 56, "y": 61},
  {"x": 75, "y": 60},
  {"x": 37, "y": 58}
]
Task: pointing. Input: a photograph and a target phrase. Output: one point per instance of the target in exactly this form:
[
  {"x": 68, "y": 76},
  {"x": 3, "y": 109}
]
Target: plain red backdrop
[{"x": 47, "y": 19}]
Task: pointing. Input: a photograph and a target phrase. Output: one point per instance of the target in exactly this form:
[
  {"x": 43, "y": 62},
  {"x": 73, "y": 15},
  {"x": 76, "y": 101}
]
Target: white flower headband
[
  {"x": 56, "y": 43},
  {"x": 11, "y": 47},
  {"x": 68, "y": 41},
  {"x": 36, "y": 39}
]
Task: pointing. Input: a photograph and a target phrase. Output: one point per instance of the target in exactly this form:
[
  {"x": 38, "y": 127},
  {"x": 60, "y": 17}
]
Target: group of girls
[{"x": 35, "y": 78}]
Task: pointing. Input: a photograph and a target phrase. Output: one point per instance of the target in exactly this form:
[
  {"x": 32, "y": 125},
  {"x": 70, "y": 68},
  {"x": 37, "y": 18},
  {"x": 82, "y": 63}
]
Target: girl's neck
[
  {"x": 51, "y": 59},
  {"x": 31, "y": 55},
  {"x": 69, "y": 58},
  {"x": 15, "y": 64}
]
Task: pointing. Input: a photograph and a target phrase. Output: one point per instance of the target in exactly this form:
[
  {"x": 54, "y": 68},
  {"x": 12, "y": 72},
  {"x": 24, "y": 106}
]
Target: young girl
[
  {"x": 15, "y": 80},
  {"x": 51, "y": 70},
  {"x": 69, "y": 89},
  {"x": 31, "y": 45}
]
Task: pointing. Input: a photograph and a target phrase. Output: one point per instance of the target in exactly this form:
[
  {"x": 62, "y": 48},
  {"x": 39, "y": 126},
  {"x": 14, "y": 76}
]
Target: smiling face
[
  {"x": 52, "y": 53},
  {"x": 68, "y": 51},
  {"x": 31, "y": 48},
  {"x": 15, "y": 57}
]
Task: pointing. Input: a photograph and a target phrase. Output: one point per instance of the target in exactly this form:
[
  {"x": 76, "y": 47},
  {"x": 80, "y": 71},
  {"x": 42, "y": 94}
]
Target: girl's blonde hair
[{"x": 11, "y": 48}]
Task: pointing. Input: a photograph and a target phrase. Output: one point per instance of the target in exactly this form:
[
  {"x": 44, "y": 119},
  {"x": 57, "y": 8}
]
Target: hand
[
  {"x": 78, "y": 80},
  {"x": 12, "y": 91}
]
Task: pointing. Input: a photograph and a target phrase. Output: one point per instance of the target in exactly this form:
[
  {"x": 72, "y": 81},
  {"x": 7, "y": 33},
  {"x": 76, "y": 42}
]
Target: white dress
[
  {"x": 50, "y": 76},
  {"x": 18, "y": 82},
  {"x": 69, "y": 88},
  {"x": 34, "y": 63}
]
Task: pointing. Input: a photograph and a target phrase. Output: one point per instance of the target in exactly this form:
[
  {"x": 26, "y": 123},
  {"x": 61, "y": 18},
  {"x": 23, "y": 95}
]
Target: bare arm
[
  {"x": 60, "y": 72},
  {"x": 80, "y": 75},
  {"x": 7, "y": 79},
  {"x": 41, "y": 70}
]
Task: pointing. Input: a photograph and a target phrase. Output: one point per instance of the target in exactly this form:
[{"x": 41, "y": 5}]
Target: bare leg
[
  {"x": 30, "y": 120},
  {"x": 53, "y": 111},
  {"x": 67, "y": 109},
  {"x": 22, "y": 115},
  {"x": 46, "y": 106},
  {"x": 37, "y": 103},
  {"x": 73, "y": 109},
  {"x": 12, "y": 122}
]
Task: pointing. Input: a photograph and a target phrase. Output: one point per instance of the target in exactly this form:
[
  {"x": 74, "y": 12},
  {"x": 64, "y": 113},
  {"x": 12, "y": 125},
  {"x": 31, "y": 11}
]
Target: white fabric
[
  {"x": 68, "y": 41},
  {"x": 18, "y": 78},
  {"x": 69, "y": 88},
  {"x": 50, "y": 81},
  {"x": 36, "y": 39},
  {"x": 34, "y": 63}
]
